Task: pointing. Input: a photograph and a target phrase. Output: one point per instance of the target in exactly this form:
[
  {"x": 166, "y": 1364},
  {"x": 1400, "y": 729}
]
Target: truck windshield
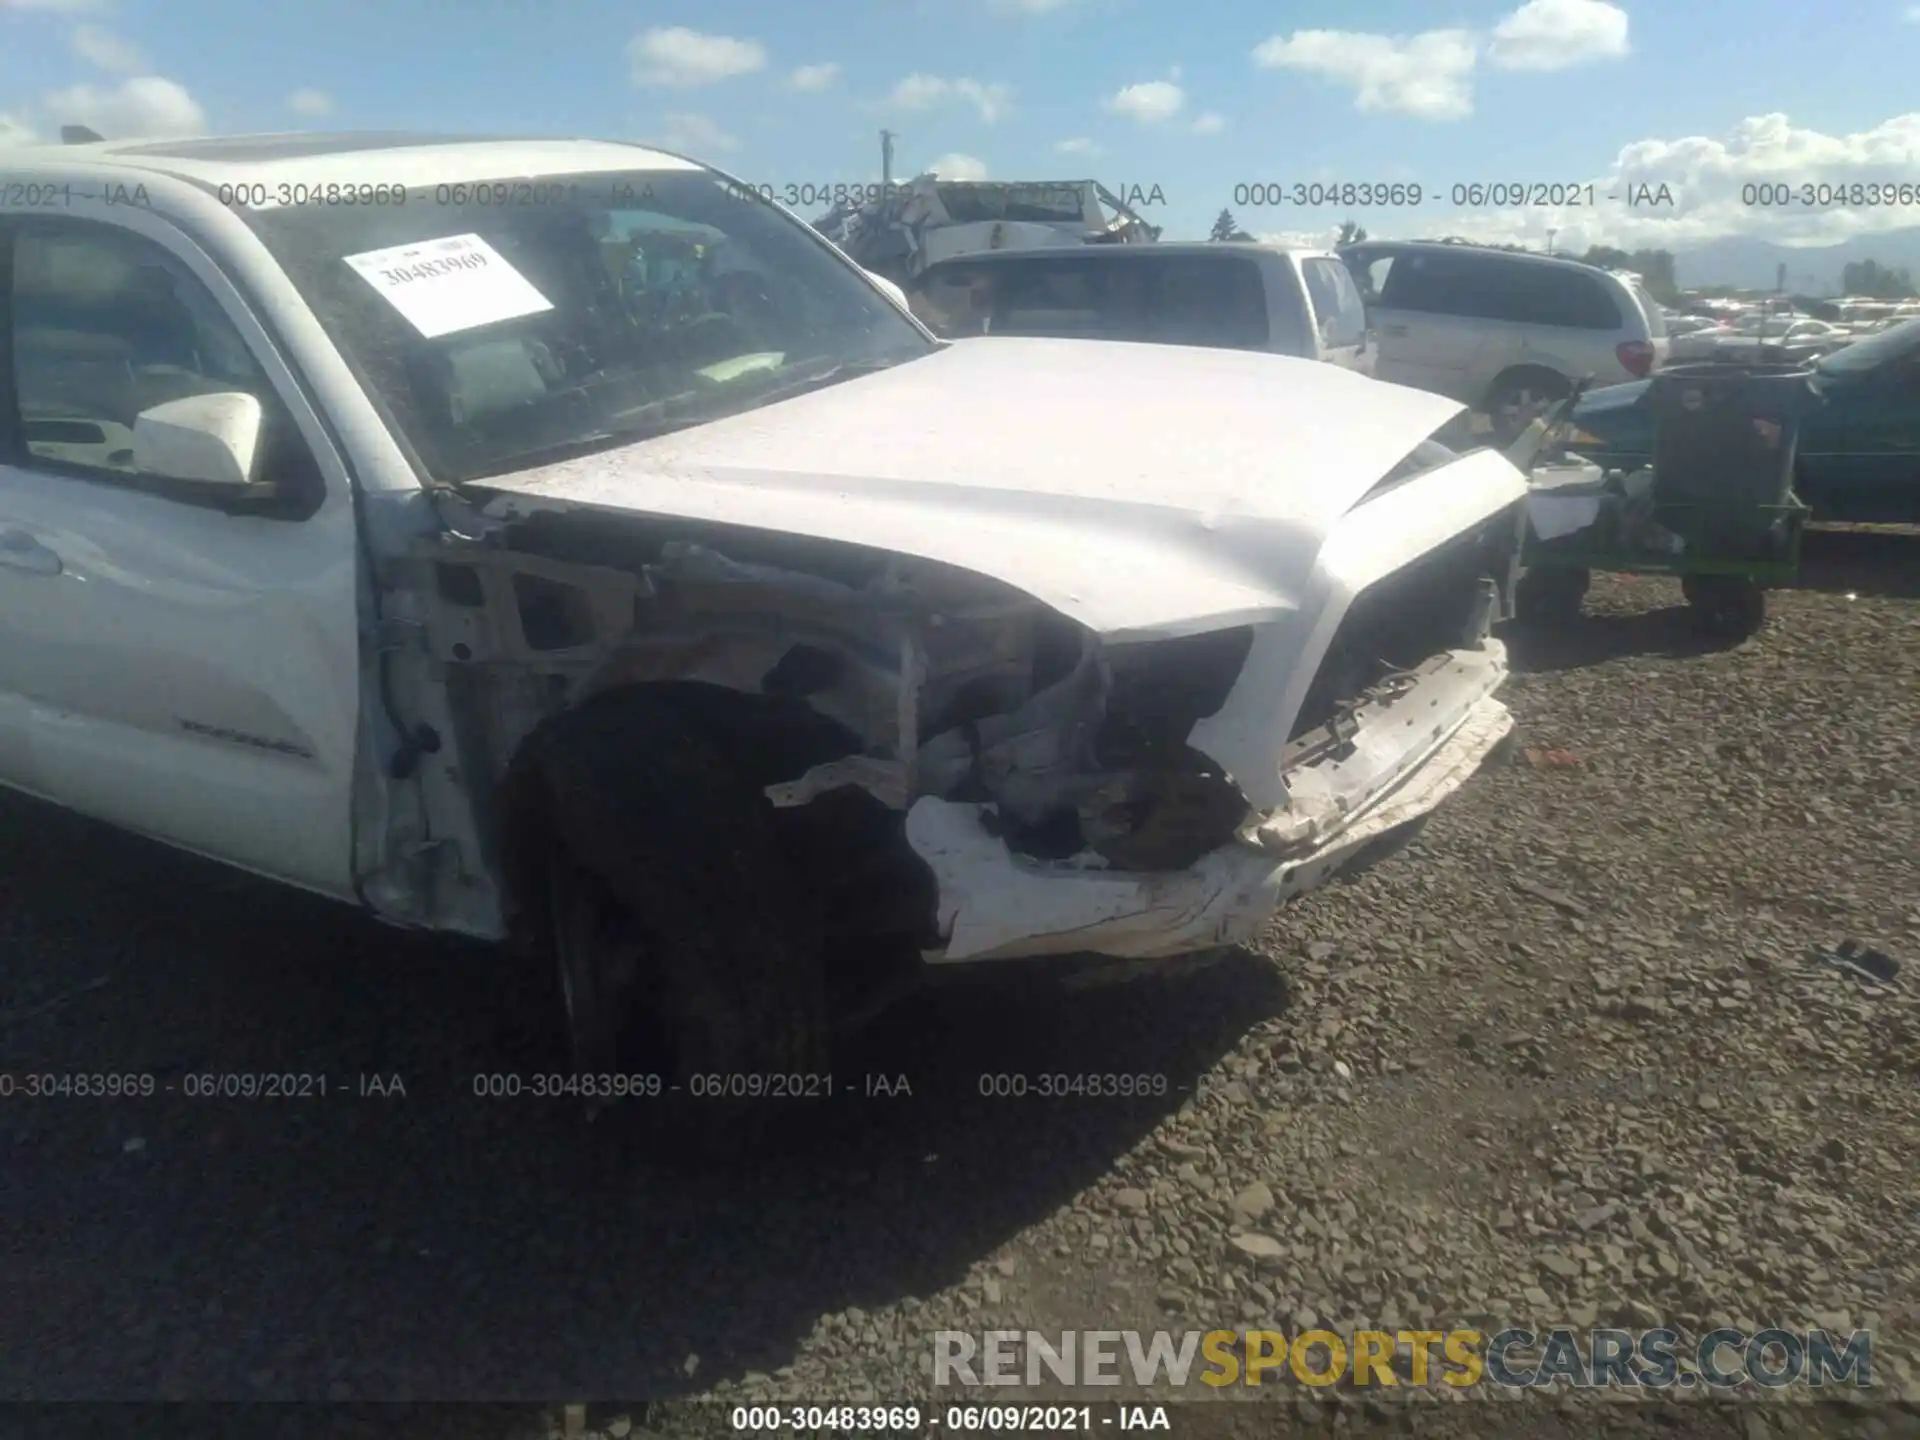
[{"x": 502, "y": 325}]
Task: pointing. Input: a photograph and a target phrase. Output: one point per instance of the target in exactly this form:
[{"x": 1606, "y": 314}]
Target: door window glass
[
  {"x": 1440, "y": 283},
  {"x": 1189, "y": 300},
  {"x": 1219, "y": 301},
  {"x": 107, "y": 324},
  {"x": 1336, "y": 301},
  {"x": 1550, "y": 295}
]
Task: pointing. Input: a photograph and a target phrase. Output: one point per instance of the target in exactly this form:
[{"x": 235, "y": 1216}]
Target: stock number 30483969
[{"x": 1306, "y": 194}]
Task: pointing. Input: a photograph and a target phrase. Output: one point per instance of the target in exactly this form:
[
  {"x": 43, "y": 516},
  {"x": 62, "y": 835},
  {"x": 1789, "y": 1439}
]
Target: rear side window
[
  {"x": 1551, "y": 295},
  {"x": 952, "y": 300},
  {"x": 1443, "y": 283},
  {"x": 1075, "y": 296},
  {"x": 1482, "y": 287},
  {"x": 1173, "y": 300},
  {"x": 1336, "y": 301},
  {"x": 1207, "y": 300}
]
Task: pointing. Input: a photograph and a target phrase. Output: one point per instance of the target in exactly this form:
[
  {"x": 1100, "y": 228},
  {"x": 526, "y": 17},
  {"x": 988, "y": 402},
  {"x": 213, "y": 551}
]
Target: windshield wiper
[{"x": 786, "y": 386}]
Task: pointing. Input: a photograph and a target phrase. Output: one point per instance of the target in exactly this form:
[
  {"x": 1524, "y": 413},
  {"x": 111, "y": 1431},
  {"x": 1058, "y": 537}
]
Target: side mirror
[
  {"x": 898, "y": 295},
  {"x": 206, "y": 439}
]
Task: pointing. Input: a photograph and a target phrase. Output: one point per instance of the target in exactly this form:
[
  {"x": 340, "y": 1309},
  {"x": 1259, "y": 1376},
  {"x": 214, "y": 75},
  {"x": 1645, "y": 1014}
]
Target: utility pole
[
  {"x": 887, "y": 137},
  {"x": 1550, "y": 235}
]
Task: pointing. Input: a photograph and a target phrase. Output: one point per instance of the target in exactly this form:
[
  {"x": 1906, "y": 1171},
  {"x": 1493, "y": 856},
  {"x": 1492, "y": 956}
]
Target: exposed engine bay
[{"x": 854, "y": 683}]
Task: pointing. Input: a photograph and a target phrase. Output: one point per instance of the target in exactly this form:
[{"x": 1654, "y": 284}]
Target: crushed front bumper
[{"x": 1398, "y": 760}]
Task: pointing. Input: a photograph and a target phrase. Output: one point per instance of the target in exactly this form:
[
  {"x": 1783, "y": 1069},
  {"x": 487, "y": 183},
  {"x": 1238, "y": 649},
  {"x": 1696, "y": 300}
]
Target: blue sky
[{"x": 1701, "y": 95}]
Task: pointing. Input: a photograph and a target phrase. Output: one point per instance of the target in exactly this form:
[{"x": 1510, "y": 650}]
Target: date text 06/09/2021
[
  {"x": 934, "y": 1419},
  {"x": 705, "y": 1086},
  {"x": 1465, "y": 194}
]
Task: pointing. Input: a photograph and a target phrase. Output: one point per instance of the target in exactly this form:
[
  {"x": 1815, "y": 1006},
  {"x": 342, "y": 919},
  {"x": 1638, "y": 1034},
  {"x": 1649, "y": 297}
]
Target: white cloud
[
  {"x": 1211, "y": 123},
  {"x": 1705, "y": 176},
  {"x": 310, "y": 102},
  {"x": 1150, "y": 102},
  {"x": 922, "y": 92},
  {"x": 959, "y": 167},
  {"x": 1913, "y": 15},
  {"x": 105, "y": 50},
  {"x": 1429, "y": 75},
  {"x": 1077, "y": 145},
  {"x": 683, "y": 59},
  {"x": 55, "y": 7},
  {"x": 1558, "y": 34},
  {"x": 814, "y": 77},
  {"x": 694, "y": 135},
  {"x": 15, "y": 131},
  {"x": 1030, "y": 7},
  {"x": 146, "y": 106}
]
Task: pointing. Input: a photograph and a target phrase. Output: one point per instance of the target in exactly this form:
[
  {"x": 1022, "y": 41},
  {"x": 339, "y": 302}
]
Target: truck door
[
  {"x": 171, "y": 663},
  {"x": 1339, "y": 314}
]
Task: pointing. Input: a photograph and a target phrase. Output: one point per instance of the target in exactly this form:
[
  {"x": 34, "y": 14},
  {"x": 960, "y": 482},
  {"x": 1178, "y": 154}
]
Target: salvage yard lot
[{"x": 1563, "y": 1061}]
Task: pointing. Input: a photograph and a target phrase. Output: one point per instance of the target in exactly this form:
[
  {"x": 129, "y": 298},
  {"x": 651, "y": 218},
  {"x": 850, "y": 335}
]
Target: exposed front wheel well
[{"x": 762, "y": 739}]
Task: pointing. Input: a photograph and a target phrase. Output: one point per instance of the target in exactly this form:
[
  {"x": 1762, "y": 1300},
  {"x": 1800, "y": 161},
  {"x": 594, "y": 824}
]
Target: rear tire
[
  {"x": 1521, "y": 396},
  {"x": 685, "y": 947}
]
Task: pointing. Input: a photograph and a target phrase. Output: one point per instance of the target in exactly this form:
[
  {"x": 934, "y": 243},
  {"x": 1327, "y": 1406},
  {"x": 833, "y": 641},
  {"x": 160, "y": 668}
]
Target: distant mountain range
[{"x": 1754, "y": 264}]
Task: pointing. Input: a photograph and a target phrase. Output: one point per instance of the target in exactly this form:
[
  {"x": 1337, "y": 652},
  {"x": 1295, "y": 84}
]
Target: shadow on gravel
[
  {"x": 1668, "y": 633},
  {"x": 1879, "y": 563},
  {"x": 1883, "y": 563},
  {"x": 437, "y": 1244}
]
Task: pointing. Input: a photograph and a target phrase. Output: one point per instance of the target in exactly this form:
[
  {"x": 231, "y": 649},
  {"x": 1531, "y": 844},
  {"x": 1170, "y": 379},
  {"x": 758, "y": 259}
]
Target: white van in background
[{"x": 1503, "y": 331}]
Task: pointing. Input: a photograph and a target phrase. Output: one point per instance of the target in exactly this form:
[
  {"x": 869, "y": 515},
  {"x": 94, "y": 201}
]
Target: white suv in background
[
  {"x": 1224, "y": 295},
  {"x": 1501, "y": 330}
]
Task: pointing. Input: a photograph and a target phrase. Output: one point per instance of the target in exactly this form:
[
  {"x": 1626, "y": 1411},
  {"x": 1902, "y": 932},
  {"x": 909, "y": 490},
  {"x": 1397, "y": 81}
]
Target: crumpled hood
[{"x": 1142, "y": 490}]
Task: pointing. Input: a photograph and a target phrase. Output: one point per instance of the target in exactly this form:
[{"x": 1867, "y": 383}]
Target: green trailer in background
[{"x": 1716, "y": 508}]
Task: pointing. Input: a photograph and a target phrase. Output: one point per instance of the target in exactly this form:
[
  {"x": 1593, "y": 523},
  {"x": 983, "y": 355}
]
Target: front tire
[{"x": 684, "y": 944}]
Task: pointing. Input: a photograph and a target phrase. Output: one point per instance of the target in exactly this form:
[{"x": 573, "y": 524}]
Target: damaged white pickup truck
[{"x": 555, "y": 539}]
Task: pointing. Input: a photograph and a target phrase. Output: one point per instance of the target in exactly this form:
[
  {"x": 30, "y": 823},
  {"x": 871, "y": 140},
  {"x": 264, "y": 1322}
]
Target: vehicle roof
[
  {"x": 1518, "y": 257},
  {"x": 1158, "y": 247},
  {"x": 378, "y": 157}
]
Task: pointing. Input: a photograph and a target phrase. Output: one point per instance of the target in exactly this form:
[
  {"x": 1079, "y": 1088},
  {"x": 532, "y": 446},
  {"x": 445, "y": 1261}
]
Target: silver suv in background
[
  {"x": 1232, "y": 296},
  {"x": 1500, "y": 330}
]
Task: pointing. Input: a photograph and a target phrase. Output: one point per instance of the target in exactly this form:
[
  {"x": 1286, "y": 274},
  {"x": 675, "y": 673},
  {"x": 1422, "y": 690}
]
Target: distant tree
[
  {"x": 1225, "y": 227},
  {"x": 1351, "y": 233},
  {"x": 1654, "y": 267},
  {"x": 1874, "y": 281}
]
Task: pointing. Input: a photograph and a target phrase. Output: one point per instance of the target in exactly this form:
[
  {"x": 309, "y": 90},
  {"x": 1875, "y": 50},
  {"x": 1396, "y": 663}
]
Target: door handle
[
  {"x": 21, "y": 551},
  {"x": 1393, "y": 329}
]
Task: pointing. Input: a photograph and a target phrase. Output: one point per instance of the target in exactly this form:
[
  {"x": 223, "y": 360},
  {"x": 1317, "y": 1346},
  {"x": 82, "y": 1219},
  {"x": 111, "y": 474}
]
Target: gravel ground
[{"x": 1564, "y": 1060}]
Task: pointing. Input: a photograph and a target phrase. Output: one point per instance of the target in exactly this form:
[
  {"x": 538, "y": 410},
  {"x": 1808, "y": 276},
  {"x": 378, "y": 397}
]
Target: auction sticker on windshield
[{"x": 440, "y": 286}]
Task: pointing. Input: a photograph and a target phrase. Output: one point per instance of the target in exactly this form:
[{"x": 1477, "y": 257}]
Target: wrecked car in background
[
  {"x": 927, "y": 220},
  {"x": 1858, "y": 460},
  {"x": 525, "y": 570}
]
